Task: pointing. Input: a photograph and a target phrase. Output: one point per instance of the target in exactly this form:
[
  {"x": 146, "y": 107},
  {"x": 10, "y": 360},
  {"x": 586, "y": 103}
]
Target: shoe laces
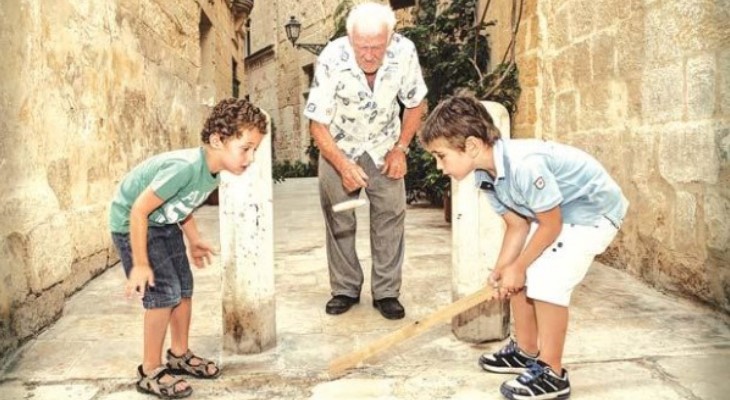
[{"x": 533, "y": 372}]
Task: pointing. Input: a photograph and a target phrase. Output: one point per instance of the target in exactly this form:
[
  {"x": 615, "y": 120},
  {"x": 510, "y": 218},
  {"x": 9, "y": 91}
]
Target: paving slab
[{"x": 625, "y": 340}]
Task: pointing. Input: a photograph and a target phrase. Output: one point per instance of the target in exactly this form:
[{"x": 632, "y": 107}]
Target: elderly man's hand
[
  {"x": 395, "y": 166},
  {"x": 353, "y": 177}
]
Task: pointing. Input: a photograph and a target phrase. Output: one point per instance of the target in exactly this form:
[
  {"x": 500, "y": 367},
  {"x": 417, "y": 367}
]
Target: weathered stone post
[
  {"x": 477, "y": 233},
  {"x": 247, "y": 256}
]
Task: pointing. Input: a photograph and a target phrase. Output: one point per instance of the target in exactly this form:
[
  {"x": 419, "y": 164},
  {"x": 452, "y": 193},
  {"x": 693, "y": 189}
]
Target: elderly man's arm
[
  {"x": 353, "y": 177},
  {"x": 395, "y": 166}
]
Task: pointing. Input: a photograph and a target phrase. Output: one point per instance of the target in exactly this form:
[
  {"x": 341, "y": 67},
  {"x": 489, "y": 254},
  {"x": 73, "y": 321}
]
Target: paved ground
[{"x": 626, "y": 341}]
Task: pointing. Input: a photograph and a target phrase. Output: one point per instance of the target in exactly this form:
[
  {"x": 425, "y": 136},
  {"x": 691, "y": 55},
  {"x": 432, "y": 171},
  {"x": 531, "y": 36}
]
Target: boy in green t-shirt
[{"x": 149, "y": 214}]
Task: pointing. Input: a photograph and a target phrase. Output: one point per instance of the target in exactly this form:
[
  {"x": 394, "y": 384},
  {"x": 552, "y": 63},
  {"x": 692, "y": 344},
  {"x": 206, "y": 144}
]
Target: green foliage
[
  {"x": 298, "y": 169},
  {"x": 452, "y": 54},
  {"x": 287, "y": 169},
  {"x": 312, "y": 153},
  {"x": 423, "y": 180},
  {"x": 451, "y": 49},
  {"x": 340, "y": 16},
  {"x": 504, "y": 82}
]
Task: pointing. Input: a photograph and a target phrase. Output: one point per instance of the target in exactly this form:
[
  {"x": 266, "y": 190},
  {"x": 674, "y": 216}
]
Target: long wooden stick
[{"x": 343, "y": 363}]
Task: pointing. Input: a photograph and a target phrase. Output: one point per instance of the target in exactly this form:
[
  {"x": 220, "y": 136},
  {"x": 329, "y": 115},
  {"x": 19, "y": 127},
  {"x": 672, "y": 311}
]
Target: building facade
[
  {"x": 279, "y": 75},
  {"x": 90, "y": 89},
  {"x": 645, "y": 87}
]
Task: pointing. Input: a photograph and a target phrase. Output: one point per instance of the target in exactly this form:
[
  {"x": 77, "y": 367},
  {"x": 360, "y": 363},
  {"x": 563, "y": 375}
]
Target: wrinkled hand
[
  {"x": 353, "y": 177},
  {"x": 395, "y": 166},
  {"x": 201, "y": 253},
  {"x": 140, "y": 277}
]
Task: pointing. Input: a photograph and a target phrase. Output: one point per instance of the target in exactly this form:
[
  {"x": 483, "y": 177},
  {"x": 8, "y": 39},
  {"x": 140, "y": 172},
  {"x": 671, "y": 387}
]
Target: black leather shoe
[
  {"x": 390, "y": 308},
  {"x": 340, "y": 303}
]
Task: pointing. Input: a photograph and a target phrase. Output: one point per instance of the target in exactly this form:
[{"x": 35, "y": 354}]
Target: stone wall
[
  {"x": 526, "y": 55},
  {"x": 88, "y": 90},
  {"x": 278, "y": 80},
  {"x": 645, "y": 87}
]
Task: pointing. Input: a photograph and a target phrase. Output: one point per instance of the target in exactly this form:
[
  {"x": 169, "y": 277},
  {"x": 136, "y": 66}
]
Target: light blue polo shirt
[{"x": 535, "y": 176}]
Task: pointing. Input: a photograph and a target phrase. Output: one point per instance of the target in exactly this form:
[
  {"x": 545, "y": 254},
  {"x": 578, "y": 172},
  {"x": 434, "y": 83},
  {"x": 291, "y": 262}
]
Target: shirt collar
[
  {"x": 482, "y": 179},
  {"x": 206, "y": 171},
  {"x": 498, "y": 154}
]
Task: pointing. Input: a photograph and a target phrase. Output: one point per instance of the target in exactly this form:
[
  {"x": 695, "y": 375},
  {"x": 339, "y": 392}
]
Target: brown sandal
[
  {"x": 182, "y": 365},
  {"x": 151, "y": 384}
]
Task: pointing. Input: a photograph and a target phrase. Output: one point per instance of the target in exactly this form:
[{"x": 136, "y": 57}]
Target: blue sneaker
[
  {"x": 509, "y": 360},
  {"x": 539, "y": 382}
]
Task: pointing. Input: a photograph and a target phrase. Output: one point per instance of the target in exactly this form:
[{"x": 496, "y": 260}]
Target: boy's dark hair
[
  {"x": 458, "y": 118},
  {"x": 230, "y": 116}
]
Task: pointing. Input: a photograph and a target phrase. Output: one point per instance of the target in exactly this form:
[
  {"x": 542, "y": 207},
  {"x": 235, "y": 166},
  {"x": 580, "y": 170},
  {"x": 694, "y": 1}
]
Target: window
[
  {"x": 398, "y": 4},
  {"x": 206, "y": 75},
  {"x": 235, "y": 83},
  {"x": 248, "y": 38},
  {"x": 309, "y": 73}
]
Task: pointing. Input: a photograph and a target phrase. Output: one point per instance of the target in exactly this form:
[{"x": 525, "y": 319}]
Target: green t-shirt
[{"x": 181, "y": 178}]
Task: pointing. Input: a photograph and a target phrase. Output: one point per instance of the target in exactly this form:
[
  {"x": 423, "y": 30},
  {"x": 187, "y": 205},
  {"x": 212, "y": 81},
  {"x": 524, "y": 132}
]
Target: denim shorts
[{"x": 169, "y": 261}]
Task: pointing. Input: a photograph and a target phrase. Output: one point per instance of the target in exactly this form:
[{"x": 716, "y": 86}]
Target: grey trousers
[{"x": 387, "y": 217}]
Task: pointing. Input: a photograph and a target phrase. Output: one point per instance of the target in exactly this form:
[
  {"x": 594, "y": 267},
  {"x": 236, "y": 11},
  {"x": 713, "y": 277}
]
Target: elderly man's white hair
[{"x": 369, "y": 19}]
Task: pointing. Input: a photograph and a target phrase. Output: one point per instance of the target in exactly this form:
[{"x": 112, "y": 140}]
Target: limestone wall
[
  {"x": 526, "y": 54},
  {"x": 645, "y": 87},
  {"x": 277, "y": 80},
  {"x": 88, "y": 90}
]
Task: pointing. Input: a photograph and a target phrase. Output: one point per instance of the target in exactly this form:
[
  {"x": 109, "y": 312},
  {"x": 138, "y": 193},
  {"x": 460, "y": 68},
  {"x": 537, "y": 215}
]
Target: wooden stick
[{"x": 343, "y": 363}]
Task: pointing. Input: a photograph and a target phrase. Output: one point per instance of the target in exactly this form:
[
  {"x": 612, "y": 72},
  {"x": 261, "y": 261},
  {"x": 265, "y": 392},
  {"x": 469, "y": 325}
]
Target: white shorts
[{"x": 563, "y": 264}]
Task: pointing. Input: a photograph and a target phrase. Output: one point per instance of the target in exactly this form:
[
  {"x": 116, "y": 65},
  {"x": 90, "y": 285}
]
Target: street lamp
[{"x": 293, "y": 29}]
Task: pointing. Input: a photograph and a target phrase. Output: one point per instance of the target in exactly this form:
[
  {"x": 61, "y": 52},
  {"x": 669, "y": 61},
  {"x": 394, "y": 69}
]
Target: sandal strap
[
  {"x": 182, "y": 358},
  {"x": 175, "y": 380},
  {"x": 189, "y": 355},
  {"x": 152, "y": 382},
  {"x": 159, "y": 372},
  {"x": 184, "y": 362},
  {"x": 203, "y": 361}
]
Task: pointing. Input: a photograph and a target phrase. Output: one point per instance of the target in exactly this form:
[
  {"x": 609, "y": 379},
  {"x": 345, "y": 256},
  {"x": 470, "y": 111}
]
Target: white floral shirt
[{"x": 360, "y": 119}]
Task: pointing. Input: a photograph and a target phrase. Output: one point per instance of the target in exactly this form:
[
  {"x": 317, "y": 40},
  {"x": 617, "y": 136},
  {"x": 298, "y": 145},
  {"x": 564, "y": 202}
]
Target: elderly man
[{"x": 354, "y": 119}]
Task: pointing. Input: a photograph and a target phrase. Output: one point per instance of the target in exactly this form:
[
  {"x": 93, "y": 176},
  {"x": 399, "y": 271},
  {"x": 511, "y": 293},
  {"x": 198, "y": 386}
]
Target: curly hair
[
  {"x": 457, "y": 118},
  {"x": 230, "y": 116}
]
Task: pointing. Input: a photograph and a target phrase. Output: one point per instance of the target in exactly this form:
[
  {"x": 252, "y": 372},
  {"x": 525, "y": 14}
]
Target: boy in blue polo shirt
[
  {"x": 561, "y": 209},
  {"x": 149, "y": 215}
]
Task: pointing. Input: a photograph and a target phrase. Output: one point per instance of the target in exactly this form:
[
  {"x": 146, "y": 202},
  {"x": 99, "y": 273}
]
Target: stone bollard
[
  {"x": 477, "y": 233},
  {"x": 247, "y": 256}
]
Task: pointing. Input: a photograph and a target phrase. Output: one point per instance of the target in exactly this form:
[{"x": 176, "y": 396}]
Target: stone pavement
[{"x": 625, "y": 341}]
